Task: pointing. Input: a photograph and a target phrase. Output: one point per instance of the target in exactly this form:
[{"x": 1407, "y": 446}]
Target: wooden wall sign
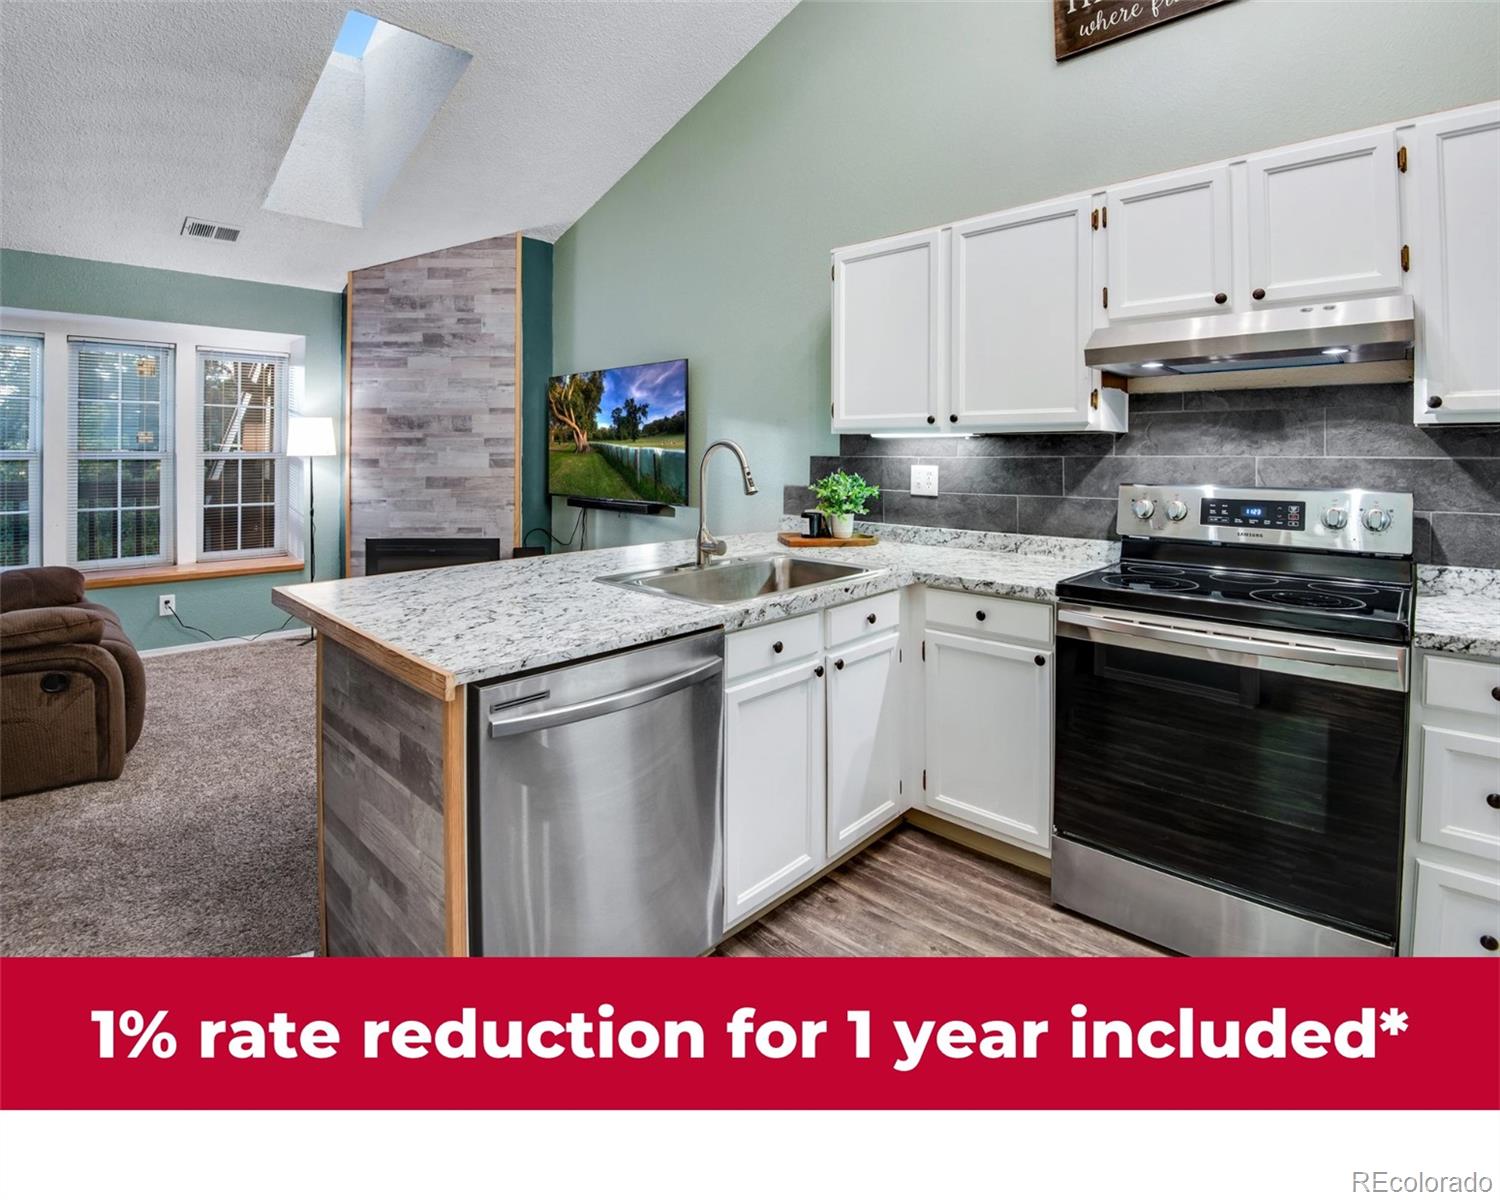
[{"x": 1079, "y": 25}]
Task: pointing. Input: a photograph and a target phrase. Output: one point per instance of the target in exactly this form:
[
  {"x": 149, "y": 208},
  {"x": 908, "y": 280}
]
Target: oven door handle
[{"x": 1301, "y": 658}]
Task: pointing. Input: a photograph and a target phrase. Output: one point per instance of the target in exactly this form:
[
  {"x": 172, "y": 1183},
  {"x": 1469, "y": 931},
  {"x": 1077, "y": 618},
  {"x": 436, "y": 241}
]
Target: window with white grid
[
  {"x": 119, "y": 453},
  {"x": 20, "y": 450},
  {"x": 242, "y": 472}
]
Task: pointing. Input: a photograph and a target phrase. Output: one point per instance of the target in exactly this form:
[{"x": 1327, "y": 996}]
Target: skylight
[
  {"x": 379, "y": 90},
  {"x": 354, "y": 34}
]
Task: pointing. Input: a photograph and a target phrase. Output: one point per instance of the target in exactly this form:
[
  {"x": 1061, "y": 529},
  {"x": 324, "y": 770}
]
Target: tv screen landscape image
[{"x": 619, "y": 434}]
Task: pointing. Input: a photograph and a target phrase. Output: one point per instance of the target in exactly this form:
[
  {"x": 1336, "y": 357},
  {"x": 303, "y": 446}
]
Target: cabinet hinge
[
  {"x": 1104, "y": 216},
  {"x": 900, "y": 657},
  {"x": 1406, "y": 258},
  {"x": 833, "y": 273},
  {"x": 1104, "y": 292},
  {"x": 924, "y": 650},
  {"x": 900, "y": 788},
  {"x": 1401, "y": 160},
  {"x": 1094, "y": 398},
  {"x": 1094, "y": 219},
  {"x": 924, "y": 779}
]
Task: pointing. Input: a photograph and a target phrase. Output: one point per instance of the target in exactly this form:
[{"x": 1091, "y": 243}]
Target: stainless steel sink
[{"x": 738, "y": 579}]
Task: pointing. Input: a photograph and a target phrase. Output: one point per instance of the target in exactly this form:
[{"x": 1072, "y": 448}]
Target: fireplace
[{"x": 386, "y": 555}]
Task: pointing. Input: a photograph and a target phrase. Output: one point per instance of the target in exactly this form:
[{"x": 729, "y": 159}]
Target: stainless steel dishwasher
[{"x": 596, "y": 817}]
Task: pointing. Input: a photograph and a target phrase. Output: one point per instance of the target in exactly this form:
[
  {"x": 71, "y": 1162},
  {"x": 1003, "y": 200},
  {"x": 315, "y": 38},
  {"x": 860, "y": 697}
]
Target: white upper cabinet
[
  {"x": 890, "y": 333},
  {"x": 1456, "y": 266},
  {"x": 1324, "y": 221},
  {"x": 1170, "y": 246},
  {"x": 1021, "y": 312}
]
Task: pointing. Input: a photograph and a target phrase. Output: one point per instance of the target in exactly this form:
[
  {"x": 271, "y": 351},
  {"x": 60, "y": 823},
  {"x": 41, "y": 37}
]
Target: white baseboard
[{"x": 222, "y": 643}]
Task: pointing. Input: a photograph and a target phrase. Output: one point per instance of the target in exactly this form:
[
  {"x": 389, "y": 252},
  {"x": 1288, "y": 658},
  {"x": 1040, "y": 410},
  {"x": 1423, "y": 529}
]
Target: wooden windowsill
[{"x": 222, "y": 568}]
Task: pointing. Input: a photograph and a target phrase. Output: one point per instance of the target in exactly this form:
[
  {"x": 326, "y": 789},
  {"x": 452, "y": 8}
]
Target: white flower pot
[{"x": 842, "y": 526}]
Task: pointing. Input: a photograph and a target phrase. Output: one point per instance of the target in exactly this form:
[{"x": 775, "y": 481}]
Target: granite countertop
[
  {"x": 1458, "y": 610},
  {"x": 488, "y": 619},
  {"x": 476, "y": 622}
]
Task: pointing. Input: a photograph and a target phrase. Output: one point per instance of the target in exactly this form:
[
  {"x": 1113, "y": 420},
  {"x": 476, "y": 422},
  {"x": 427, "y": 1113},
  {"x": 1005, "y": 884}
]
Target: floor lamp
[{"x": 310, "y": 438}]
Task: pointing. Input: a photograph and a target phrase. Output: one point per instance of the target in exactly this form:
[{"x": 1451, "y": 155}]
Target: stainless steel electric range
[{"x": 1231, "y": 721}]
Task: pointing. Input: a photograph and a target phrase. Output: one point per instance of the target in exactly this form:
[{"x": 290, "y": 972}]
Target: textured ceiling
[{"x": 117, "y": 120}]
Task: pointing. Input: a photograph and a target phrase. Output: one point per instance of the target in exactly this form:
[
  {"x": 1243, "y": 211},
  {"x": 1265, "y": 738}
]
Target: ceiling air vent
[{"x": 196, "y": 227}]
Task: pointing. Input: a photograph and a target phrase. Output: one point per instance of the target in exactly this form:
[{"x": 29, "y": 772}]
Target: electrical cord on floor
[
  {"x": 242, "y": 637},
  {"x": 557, "y": 541}
]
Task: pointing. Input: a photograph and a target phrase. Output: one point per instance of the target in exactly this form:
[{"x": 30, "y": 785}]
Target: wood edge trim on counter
[
  {"x": 318, "y": 756},
  {"x": 348, "y": 421},
  {"x": 516, "y": 535},
  {"x": 455, "y": 826},
  {"x": 224, "y": 568},
  {"x": 408, "y": 668}
]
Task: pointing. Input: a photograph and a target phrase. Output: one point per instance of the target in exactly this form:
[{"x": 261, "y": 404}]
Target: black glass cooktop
[{"x": 1350, "y": 608}]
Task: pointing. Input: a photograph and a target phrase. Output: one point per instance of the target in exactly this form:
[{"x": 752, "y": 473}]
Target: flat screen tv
[{"x": 620, "y": 435}]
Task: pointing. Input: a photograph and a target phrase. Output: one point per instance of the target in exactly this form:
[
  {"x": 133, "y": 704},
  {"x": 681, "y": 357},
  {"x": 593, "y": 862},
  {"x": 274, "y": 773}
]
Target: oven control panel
[
  {"x": 1351, "y": 520},
  {"x": 1254, "y": 514}
]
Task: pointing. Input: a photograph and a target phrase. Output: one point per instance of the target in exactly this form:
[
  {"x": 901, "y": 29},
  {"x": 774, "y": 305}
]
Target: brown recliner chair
[{"x": 72, "y": 687}]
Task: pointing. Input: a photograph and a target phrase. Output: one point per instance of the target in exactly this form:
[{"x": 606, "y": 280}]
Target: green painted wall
[
  {"x": 536, "y": 366},
  {"x": 854, "y": 120},
  {"x": 225, "y": 607}
]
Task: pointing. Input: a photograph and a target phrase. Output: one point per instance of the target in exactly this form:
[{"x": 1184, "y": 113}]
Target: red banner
[{"x": 739, "y": 1033}]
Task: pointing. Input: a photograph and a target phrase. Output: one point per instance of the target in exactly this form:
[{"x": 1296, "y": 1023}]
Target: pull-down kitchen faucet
[{"x": 708, "y": 545}]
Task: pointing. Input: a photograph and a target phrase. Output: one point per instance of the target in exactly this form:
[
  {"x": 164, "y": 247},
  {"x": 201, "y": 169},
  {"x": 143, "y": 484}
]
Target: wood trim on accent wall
[
  {"x": 455, "y": 825},
  {"x": 348, "y": 421},
  {"x": 520, "y": 392}
]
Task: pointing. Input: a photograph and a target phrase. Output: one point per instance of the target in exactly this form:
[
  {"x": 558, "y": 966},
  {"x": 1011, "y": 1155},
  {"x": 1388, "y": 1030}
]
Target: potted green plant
[{"x": 842, "y": 497}]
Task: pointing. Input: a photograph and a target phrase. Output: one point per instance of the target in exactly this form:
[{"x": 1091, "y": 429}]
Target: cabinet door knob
[
  {"x": 1434, "y": 402},
  {"x": 777, "y": 647},
  {"x": 932, "y": 420},
  {"x": 1495, "y": 693},
  {"x": 1493, "y": 799},
  {"x": 1221, "y": 298},
  {"x": 818, "y": 671},
  {"x": 953, "y": 417},
  {"x": 871, "y": 618},
  {"x": 980, "y": 615},
  {"x": 1258, "y": 294},
  {"x": 1490, "y": 942},
  {"x": 839, "y": 663},
  {"x": 1040, "y": 660}
]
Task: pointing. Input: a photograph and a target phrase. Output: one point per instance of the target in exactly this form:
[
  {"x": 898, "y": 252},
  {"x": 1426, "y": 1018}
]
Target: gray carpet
[{"x": 205, "y": 845}]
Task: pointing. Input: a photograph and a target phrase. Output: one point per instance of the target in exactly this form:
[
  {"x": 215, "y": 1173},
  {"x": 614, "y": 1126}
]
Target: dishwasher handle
[{"x": 585, "y": 709}]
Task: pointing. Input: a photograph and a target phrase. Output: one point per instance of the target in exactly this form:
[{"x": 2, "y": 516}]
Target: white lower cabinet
[
  {"x": 989, "y": 735},
  {"x": 773, "y": 785},
  {"x": 864, "y": 740},
  {"x": 1451, "y": 901}
]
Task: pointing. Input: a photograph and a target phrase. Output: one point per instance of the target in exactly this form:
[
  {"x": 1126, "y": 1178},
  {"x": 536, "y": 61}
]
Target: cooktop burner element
[
  {"x": 1152, "y": 583},
  {"x": 1335, "y": 573},
  {"x": 1307, "y": 599}
]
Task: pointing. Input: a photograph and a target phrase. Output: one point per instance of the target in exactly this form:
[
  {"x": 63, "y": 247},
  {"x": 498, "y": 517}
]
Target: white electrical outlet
[
  {"x": 924, "y": 481},
  {"x": 166, "y": 605}
]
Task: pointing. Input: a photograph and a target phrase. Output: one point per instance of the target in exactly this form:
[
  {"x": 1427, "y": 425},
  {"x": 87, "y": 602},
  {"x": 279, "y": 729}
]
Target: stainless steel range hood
[{"x": 1351, "y": 331}]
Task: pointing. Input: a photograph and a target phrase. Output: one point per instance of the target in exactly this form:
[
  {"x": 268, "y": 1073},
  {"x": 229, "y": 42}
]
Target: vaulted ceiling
[{"x": 119, "y": 120}]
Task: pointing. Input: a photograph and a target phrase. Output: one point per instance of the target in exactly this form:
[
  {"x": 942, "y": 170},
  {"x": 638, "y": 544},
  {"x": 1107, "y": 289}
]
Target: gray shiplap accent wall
[
  {"x": 433, "y": 443},
  {"x": 1067, "y": 484},
  {"x": 382, "y": 811}
]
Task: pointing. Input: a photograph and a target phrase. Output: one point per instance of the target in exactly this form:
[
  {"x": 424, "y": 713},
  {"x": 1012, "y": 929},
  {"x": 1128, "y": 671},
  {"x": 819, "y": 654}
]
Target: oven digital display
[{"x": 1260, "y": 514}]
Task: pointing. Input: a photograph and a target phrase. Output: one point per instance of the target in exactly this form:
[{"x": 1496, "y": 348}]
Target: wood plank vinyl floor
[{"x": 915, "y": 894}]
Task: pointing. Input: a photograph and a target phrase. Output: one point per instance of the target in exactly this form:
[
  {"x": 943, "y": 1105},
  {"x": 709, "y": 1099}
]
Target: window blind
[
  {"x": 20, "y": 450},
  {"x": 120, "y": 497},
  {"x": 242, "y": 471}
]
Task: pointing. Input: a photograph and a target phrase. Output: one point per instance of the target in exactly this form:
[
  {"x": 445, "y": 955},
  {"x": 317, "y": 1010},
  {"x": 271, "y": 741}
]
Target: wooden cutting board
[{"x": 802, "y": 540}]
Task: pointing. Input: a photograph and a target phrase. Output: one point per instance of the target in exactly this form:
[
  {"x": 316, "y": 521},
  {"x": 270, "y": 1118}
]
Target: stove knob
[
  {"x": 1336, "y": 517},
  {"x": 1176, "y": 509},
  {"x": 1143, "y": 508},
  {"x": 1377, "y": 520}
]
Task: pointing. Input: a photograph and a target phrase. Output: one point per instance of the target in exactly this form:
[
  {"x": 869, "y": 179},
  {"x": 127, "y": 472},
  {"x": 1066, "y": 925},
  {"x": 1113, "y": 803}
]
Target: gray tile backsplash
[{"x": 1066, "y": 484}]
